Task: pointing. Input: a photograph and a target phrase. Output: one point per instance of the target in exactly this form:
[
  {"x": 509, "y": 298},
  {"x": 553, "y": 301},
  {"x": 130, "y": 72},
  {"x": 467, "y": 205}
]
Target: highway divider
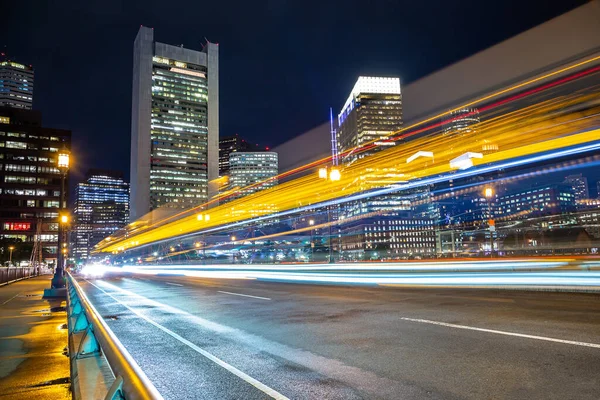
[{"x": 101, "y": 367}]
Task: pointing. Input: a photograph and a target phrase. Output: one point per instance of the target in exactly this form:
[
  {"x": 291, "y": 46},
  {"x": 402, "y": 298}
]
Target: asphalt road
[{"x": 244, "y": 339}]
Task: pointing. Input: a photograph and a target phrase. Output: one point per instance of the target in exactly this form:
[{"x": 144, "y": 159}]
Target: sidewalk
[{"x": 32, "y": 341}]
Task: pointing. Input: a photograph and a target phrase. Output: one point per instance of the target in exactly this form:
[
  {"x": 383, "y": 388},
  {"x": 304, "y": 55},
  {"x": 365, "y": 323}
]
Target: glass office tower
[{"x": 101, "y": 208}]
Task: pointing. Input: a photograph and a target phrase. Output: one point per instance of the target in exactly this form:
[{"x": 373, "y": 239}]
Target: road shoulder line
[
  {"x": 523, "y": 335},
  {"x": 245, "y": 295}
]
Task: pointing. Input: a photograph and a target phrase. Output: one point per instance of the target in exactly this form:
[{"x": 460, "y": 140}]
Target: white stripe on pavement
[
  {"x": 174, "y": 284},
  {"x": 257, "y": 384},
  {"x": 523, "y": 335},
  {"x": 11, "y": 298},
  {"x": 245, "y": 295}
]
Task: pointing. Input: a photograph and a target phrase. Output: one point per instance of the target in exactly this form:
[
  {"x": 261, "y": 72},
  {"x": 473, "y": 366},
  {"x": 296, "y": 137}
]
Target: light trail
[
  {"x": 552, "y": 140},
  {"x": 527, "y": 274},
  {"x": 416, "y": 184}
]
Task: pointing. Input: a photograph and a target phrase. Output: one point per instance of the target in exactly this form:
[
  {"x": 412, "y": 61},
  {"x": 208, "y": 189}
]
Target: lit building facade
[
  {"x": 16, "y": 85},
  {"x": 546, "y": 200},
  {"x": 101, "y": 208},
  {"x": 232, "y": 144},
  {"x": 380, "y": 226},
  {"x": 372, "y": 111},
  {"x": 250, "y": 168},
  {"x": 579, "y": 183},
  {"x": 403, "y": 236},
  {"x": 175, "y": 124},
  {"x": 30, "y": 181}
]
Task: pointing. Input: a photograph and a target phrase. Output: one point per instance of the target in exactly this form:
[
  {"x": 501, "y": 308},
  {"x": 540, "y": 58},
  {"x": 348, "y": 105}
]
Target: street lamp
[
  {"x": 489, "y": 194},
  {"x": 332, "y": 174},
  {"x": 63, "y": 162},
  {"x": 311, "y": 222},
  {"x": 206, "y": 218},
  {"x": 10, "y": 249}
]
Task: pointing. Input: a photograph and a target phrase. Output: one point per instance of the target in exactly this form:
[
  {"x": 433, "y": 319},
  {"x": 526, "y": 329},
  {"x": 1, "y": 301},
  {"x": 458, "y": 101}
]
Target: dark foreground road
[{"x": 235, "y": 339}]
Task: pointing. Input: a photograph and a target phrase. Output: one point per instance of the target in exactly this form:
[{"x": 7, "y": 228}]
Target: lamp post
[
  {"x": 331, "y": 174},
  {"x": 203, "y": 218},
  {"x": 58, "y": 280},
  {"x": 10, "y": 250},
  {"x": 311, "y": 222},
  {"x": 489, "y": 194}
]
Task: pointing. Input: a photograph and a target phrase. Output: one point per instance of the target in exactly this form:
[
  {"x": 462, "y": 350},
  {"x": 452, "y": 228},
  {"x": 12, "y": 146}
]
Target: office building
[
  {"x": 30, "y": 181},
  {"x": 232, "y": 144},
  {"x": 175, "y": 124},
  {"x": 579, "y": 184},
  {"x": 253, "y": 171},
  {"x": 101, "y": 208},
  {"x": 402, "y": 236},
  {"x": 371, "y": 113},
  {"x": 545, "y": 200},
  {"x": 16, "y": 84}
]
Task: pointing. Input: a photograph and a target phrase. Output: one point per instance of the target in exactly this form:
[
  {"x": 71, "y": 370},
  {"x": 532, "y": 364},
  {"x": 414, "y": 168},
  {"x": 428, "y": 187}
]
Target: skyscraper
[
  {"x": 175, "y": 124},
  {"x": 101, "y": 208},
  {"x": 16, "y": 84},
  {"x": 372, "y": 111}
]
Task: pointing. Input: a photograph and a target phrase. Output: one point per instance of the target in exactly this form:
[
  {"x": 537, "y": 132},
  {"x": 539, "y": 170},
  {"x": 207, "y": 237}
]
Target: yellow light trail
[
  {"x": 537, "y": 128},
  {"x": 146, "y": 225}
]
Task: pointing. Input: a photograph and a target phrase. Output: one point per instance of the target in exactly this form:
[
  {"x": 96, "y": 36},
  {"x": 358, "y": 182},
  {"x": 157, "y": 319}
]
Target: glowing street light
[
  {"x": 203, "y": 217},
  {"x": 489, "y": 193},
  {"x": 10, "y": 249},
  {"x": 323, "y": 173},
  {"x": 197, "y": 244},
  {"x": 311, "y": 222},
  {"x": 63, "y": 164},
  {"x": 335, "y": 174},
  {"x": 233, "y": 238},
  {"x": 63, "y": 160}
]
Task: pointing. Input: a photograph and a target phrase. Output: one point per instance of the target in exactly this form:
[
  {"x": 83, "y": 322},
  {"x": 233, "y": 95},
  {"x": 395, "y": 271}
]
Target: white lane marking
[
  {"x": 523, "y": 335},
  {"x": 257, "y": 384},
  {"x": 174, "y": 284},
  {"x": 11, "y": 298},
  {"x": 245, "y": 295}
]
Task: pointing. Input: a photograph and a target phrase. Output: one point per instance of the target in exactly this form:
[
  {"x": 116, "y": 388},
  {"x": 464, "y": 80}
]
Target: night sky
[{"x": 282, "y": 63}]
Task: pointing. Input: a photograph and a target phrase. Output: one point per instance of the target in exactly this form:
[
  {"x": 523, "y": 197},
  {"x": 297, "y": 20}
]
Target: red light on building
[{"x": 17, "y": 226}]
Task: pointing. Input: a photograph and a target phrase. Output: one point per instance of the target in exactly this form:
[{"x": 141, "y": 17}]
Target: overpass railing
[{"x": 100, "y": 366}]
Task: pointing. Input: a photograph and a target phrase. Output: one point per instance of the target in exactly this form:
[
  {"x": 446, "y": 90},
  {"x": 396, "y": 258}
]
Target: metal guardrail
[
  {"x": 11, "y": 274},
  {"x": 93, "y": 347}
]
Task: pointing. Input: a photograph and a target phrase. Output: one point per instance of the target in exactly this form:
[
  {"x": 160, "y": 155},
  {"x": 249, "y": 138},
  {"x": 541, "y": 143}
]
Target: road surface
[{"x": 245, "y": 339}]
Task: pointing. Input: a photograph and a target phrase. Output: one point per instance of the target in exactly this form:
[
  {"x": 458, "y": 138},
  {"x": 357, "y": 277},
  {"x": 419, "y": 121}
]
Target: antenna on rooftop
[{"x": 334, "y": 149}]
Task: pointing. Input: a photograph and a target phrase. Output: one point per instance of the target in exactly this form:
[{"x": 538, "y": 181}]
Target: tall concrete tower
[{"x": 174, "y": 124}]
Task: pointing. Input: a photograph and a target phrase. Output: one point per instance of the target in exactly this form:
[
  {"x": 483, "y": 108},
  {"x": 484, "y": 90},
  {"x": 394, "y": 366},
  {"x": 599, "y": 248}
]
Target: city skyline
[
  {"x": 321, "y": 86},
  {"x": 296, "y": 200}
]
